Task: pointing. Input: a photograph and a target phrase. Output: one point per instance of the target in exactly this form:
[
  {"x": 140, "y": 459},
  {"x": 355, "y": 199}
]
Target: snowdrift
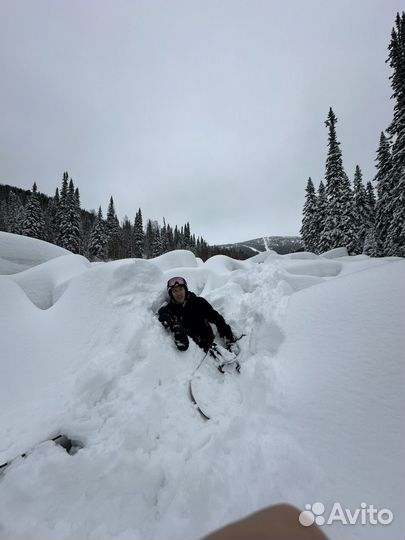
[{"x": 320, "y": 414}]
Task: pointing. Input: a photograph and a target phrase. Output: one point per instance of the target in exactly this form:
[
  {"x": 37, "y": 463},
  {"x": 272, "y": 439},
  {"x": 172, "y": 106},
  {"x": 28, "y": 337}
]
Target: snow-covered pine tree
[
  {"x": 321, "y": 210},
  {"x": 51, "y": 216},
  {"x": 395, "y": 243},
  {"x": 193, "y": 244},
  {"x": 348, "y": 228},
  {"x": 3, "y": 216},
  {"x": 309, "y": 229},
  {"x": 69, "y": 225},
  {"x": 187, "y": 236},
  {"x": 164, "y": 237},
  {"x": 110, "y": 225},
  {"x": 338, "y": 227},
  {"x": 62, "y": 208},
  {"x": 371, "y": 202},
  {"x": 202, "y": 249},
  {"x": 98, "y": 238},
  {"x": 384, "y": 206},
  {"x": 170, "y": 238},
  {"x": 33, "y": 224},
  {"x": 15, "y": 214},
  {"x": 360, "y": 211},
  {"x": 370, "y": 243},
  {"x": 149, "y": 238},
  {"x": 126, "y": 239},
  {"x": 157, "y": 242},
  {"x": 139, "y": 240},
  {"x": 79, "y": 219},
  {"x": 112, "y": 231},
  {"x": 177, "y": 238}
]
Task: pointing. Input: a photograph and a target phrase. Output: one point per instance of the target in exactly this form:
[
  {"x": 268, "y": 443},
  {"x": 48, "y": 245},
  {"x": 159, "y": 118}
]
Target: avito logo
[{"x": 366, "y": 514}]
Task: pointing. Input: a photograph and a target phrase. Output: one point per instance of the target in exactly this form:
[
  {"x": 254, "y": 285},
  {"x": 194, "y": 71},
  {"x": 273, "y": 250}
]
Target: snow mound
[
  {"x": 224, "y": 264},
  {"x": 317, "y": 268},
  {"x": 261, "y": 257},
  {"x": 301, "y": 255},
  {"x": 317, "y": 413},
  {"x": 44, "y": 284},
  {"x": 346, "y": 385},
  {"x": 335, "y": 253},
  {"x": 180, "y": 258},
  {"x": 18, "y": 253}
]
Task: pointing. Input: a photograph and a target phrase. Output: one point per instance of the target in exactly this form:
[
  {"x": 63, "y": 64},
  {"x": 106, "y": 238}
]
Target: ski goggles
[{"x": 176, "y": 281}]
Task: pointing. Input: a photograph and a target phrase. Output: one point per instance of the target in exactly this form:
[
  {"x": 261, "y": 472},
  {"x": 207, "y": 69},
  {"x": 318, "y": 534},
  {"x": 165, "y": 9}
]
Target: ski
[
  {"x": 196, "y": 406},
  {"x": 64, "y": 441},
  {"x": 210, "y": 377}
]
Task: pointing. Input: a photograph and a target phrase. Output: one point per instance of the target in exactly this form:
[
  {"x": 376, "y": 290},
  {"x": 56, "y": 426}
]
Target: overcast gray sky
[{"x": 208, "y": 111}]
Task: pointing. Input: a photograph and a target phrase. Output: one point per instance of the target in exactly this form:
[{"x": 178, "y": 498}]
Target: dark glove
[
  {"x": 180, "y": 338},
  {"x": 232, "y": 346},
  {"x": 227, "y": 334},
  {"x": 231, "y": 341}
]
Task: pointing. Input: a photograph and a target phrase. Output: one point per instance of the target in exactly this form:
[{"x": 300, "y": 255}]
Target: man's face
[{"x": 178, "y": 294}]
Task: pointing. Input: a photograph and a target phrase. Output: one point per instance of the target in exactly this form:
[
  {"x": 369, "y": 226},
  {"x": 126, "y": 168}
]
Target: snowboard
[{"x": 215, "y": 393}]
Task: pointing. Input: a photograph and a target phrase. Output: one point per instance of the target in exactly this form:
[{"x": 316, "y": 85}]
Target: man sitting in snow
[{"x": 187, "y": 314}]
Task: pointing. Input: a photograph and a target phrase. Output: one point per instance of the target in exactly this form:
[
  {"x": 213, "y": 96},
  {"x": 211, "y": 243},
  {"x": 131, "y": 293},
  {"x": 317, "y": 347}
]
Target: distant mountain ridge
[{"x": 280, "y": 244}]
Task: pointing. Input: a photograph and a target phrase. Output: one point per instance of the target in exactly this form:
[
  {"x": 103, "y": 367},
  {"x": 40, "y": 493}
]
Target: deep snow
[{"x": 319, "y": 414}]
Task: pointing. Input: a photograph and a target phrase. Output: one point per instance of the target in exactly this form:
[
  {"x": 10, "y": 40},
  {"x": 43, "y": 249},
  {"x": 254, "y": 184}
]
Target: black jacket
[{"x": 194, "y": 317}]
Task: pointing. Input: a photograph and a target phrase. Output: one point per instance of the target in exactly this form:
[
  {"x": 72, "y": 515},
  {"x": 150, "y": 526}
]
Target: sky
[{"x": 207, "y": 112}]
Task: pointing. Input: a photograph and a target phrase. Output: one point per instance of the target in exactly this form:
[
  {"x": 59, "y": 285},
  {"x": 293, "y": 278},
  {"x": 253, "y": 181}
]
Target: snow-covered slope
[{"x": 320, "y": 415}]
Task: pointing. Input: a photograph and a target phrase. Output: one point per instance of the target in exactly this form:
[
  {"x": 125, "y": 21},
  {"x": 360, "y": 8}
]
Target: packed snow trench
[{"x": 319, "y": 415}]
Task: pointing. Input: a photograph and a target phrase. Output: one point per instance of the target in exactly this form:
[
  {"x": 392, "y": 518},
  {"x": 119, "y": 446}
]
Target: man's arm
[
  {"x": 216, "y": 318},
  {"x": 170, "y": 322},
  {"x": 167, "y": 317},
  {"x": 279, "y": 522}
]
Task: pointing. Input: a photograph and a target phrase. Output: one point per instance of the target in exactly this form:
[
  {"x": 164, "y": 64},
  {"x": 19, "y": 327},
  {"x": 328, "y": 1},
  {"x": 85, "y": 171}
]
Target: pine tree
[
  {"x": 69, "y": 224},
  {"x": 111, "y": 224},
  {"x": 309, "y": 232},
  {"x": 164, "y": 238},
  {"x": 193, "y": 244},
  {"x": 187, "y": 237},
  {"x": 370, "y": 243},
  {"x": 170, "y": 238},
  {"x": 126, "y": 239},
  {"x": 349, "y": 234},
  {"x": 321, "y": 211},
  {"x": 384, "y": 206},
  {"x": 98, "y": 238},
  {"x": 62, "y": 209},
  {"x": 51, "y": 216},
  {"x": 113, "y": 232},
  {"x": 395, "y": 242},
  {"x": 177, "y": 238},
  {"x": 371, "y": 202},
  {"x": 33, "y": 224},
  {"x": 157, "y": 243},
  {"x": 139, "y": 239},
  {"x": 360, "y": 211},
  {"x": 149, "y": 239},
  {"x": 3, "y": 216},
  {"x": 15, "y": 214},
  {"x": 338, "y": 227}
]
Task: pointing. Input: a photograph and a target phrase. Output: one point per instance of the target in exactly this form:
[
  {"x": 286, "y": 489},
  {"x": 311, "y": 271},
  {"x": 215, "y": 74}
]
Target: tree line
[
  {"x": 61, "y": 221},
  {"x": 366, "y": 218}
]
